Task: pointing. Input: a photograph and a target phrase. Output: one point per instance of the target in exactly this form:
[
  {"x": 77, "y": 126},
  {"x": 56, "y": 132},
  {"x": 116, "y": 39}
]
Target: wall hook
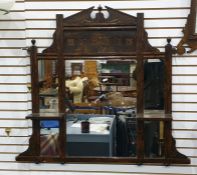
[
  {"x": 29, "y": 87},
  {"x": 8, "y": 131}
]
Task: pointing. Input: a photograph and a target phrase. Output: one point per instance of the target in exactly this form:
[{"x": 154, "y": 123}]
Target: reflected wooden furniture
[
  {"x": 120, "y": 36},
  {"x": 90, "y": 69},
  {"x": 121, "y": 79},
  {"x": 126, "y": 91},
  {"x": 87, "y": 108},
  {"x": 116, "y": 72}
]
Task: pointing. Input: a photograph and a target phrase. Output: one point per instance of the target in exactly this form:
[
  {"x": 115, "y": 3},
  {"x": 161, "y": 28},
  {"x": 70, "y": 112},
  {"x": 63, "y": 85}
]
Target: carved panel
[
  {"x": 112, "y": 18},
  {"x": 99, "y": 42}
]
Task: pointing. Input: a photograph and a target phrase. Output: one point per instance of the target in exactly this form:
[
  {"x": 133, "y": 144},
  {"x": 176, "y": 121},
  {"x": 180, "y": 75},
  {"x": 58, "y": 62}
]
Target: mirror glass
[
  {"x": 48, "y": 83},
  {"x": 101, "y": 107},
  {"x": 153, "y": 139},
  {"x": 48, "y": 107},
  {"x": 102, "y": 119},
  {"x": 153, "y": 86},
  {"x": 49, "y": 134}
]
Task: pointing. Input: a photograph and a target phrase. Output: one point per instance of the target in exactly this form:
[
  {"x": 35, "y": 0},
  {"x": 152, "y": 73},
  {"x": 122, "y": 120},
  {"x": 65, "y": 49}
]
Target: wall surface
[{"x": 35, "y": 19}]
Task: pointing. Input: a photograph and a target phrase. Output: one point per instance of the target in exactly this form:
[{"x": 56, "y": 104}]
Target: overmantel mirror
[
  {"x": 101, "y": 93},
  {"x": 190, "y": 31}
]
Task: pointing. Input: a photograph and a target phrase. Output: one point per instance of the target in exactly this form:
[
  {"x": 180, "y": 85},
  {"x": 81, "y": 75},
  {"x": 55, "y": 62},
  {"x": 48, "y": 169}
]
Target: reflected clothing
[
  {"x": 154, "y": 85},
  {"x": 122, "y": 137}
]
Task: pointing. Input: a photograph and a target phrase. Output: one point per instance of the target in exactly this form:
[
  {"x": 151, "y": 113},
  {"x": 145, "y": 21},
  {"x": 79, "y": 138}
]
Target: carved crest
[
  {"x": 100, "y": 32},
  {"x": 107, "y": 17}
]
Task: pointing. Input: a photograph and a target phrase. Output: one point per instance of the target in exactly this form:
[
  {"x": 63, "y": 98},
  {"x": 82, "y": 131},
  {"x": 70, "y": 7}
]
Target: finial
[
  {"x": 33, "y": 41},
  {"x": 169, "y": 40},
  {"x": 100, "y": 8}
]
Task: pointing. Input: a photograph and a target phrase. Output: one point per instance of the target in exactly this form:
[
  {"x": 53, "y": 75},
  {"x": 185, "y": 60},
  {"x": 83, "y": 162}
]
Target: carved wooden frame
[
  {"x": 140, "y": 51},
  {"x": 190, "y": 31}
]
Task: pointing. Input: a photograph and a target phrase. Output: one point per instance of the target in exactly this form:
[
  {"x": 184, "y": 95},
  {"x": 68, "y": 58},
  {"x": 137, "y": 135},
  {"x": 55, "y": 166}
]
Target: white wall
[{"x": 35, "y": 19}]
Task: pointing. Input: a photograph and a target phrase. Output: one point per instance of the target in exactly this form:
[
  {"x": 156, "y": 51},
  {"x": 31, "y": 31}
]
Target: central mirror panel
[{"x": 102, "y": 119}]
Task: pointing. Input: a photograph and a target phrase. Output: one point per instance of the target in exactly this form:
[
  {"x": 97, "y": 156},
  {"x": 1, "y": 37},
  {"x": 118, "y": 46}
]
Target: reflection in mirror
[
  {"x": 153, "y": 139},
  {"x": 49, "y": 133},
  {"x": 153, "y": 86},
  {"x": 76, "y": 69},
  {"x": 102, "y": 120},
  {"x": 153, "y": 104},
  {"x": 90, "y": 135},
  {"x": 48, "y": 83}
]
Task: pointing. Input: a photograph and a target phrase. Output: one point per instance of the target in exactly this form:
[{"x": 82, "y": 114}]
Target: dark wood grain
[
  {"x": 61, "y": 84},
  {"x": 168, "y": 78},
  {"x": 121, "y": 37},
  {"x": 140, "y": 63}
]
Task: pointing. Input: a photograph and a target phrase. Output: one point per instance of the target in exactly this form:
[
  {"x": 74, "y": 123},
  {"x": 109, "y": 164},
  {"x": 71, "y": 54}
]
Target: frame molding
[{"x": 133, "y": 44}]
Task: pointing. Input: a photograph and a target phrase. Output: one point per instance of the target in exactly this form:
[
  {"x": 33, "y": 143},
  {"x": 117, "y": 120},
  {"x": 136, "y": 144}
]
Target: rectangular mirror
[
  {"x": 49, "y": 138},
  {"x": 153, "y": 86},
  {"x": 153, "y": 139},
  {"x": 103, "y": 96},
  {"x": 48, "y": 83}
]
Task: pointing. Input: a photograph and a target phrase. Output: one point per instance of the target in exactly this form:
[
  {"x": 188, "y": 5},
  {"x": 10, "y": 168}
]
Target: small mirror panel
[
  {"x": 48, "y": 83},
  {"x": 49, "y": 138},
  {"x": 153, "y": 86},
  {"x": 153, "y": 139}
]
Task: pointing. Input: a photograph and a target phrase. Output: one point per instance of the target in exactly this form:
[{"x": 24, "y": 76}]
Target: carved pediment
[
  {"x": 100, "y": 17},
  {"x": 100, "y": 32}
]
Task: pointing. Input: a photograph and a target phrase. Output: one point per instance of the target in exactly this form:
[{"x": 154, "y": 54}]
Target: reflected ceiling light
[{"x": 5, "y": 6}]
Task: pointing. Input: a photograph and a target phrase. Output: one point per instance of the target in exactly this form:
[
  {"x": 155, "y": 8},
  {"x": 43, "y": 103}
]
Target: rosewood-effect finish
[{"x": 118, "y": 36}]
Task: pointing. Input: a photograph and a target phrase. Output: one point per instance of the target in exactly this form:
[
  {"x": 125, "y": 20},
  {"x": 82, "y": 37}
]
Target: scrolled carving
[{"x": 189, "y": 31}]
